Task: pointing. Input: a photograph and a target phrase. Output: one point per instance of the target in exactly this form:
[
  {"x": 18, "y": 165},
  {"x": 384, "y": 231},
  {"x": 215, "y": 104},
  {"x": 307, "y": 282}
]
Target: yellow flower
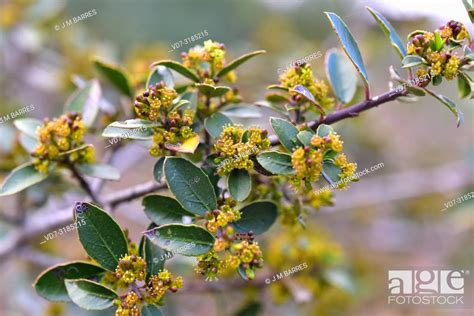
[
  {"x": 335, "y": 142},
  {"x": 130, "y": 268},
  {"x": 129, "y": 307},
  {"x": 236, "y": 146},
  {"x": 155, "y": 104},
  {"x": 436, "y": 68},
  {"x": 303, "y": 75},
  {"x": 452, "y": 67},
  {"x": 158, "y": 284},
  {"x": 58, "y": 136}
]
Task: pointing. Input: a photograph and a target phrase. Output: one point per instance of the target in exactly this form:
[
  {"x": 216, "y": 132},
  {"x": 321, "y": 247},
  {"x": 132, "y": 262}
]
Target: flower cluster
[
  {"x": 441, "y": 60},
  {"x": 221, "y": 217},
  {"x": 303, "y": 75},
  {"x": 347, "y": 169},
  {"x": 130, "y": 268},
  {"x": 61, "y": 141},
  {"x": 209, "y": 265},
  {"x": 156, "y": 104},
  {"x": 158, "y": 284},
  {"x": 245, "y": 254},
  {"x": 129, "y": 306},
  {"x": 211, "y": 54},
  {"x": 236, "y": 146},
  {"x": 307, "y": 161}
]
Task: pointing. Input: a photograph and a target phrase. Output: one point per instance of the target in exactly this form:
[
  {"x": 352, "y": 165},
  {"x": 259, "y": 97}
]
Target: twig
[
  {"x": 133, "y": 193},
  {"x": 40, "y": 222},
  {"x": 350, "y": 111},
  {"x": 84, "y": 184}
]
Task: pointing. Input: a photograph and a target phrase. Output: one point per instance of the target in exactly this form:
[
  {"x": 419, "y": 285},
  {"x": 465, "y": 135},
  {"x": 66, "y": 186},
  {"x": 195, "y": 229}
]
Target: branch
[
  {"x": 84, "y": 184},
  {"x": 351, "y": 111},
  {"x": 133, "y": 193},
  {"x": 40, "y": 222}
]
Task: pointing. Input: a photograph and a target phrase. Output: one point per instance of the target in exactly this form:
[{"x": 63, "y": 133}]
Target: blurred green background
[{"x": 390, "y": 219}]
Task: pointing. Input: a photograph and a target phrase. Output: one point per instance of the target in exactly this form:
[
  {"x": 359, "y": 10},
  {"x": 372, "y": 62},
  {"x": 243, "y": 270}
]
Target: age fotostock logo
[{"x": 426, "y": 286}]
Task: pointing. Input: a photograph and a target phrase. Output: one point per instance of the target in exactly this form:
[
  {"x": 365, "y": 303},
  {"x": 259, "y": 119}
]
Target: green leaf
[
  {"x": 331, "y": 172},
  {"x": 28, "y": 126},
  {"x": 21, "y": 178},
  {"x": 286, "y": 133},
  {"x": 437, "y": 80},
  {"x": 150, "y": 310},
  {"x": 416, "y": 91},
  {"x": 464, "y": 86},
  {"x": 178, "y": 104},
  {"x": 101, "y": 236},
  {"x": 115, "y": 76},
  {"x": 412, "y": 61},
  {"x": 158, "y": 74},
  {"x": 238, "y": 61},
  {"x": 324, "y": 130},
  {"x": 305, "y": 137},
  {"x": 349, "y": 45},
  {"x": 276, "y": 98},
  {"x": 164, "y": 210},
  {"x": 50, "y": 283},
  {"x": 277, "y": 87},
  {"x": 276, "y": 162},
  {"x": 438, "y": 42},
  {"x": 215, "y": 123},
  {"x": 158, "y": 169},
  {"x": 86, "y": 101},
  {"x": 101, "y": 171},
  {"x": 449, "y": 104},
  {"x": 135, "y": 123},
  {"x": 212, "y": 91},
  {"x": 241, "y": 111},
  {"x": 470, "y": 9},
  {"x": 90, "y": 295},
  {"x": 154, "y": 257},
  {"x": 239, "y": 183},
  {"x": 341, "y": 75},
  {"x": 192, "y": 97},
  {"x": 27, "y": 142},
  {"x": 190, "y": 185},
  {"x": 389, "y": 32},
  {"x": 257, "y": 217},
  {"x": 178, "y": 68},
  {"x": 130, "y": 129},
  {"x": 305, "y": 94},
  {"x": 211, "y": 173},
  {"x": 187, "y": 240},
  {"x": 468, "y": 53}
]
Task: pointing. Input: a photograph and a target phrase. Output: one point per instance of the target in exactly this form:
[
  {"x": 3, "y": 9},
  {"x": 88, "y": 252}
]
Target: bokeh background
[{"x": 390, "y": 219}]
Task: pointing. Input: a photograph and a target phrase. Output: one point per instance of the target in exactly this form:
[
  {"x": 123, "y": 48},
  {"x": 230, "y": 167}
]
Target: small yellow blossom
[{"x": 56, "y": 138}]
